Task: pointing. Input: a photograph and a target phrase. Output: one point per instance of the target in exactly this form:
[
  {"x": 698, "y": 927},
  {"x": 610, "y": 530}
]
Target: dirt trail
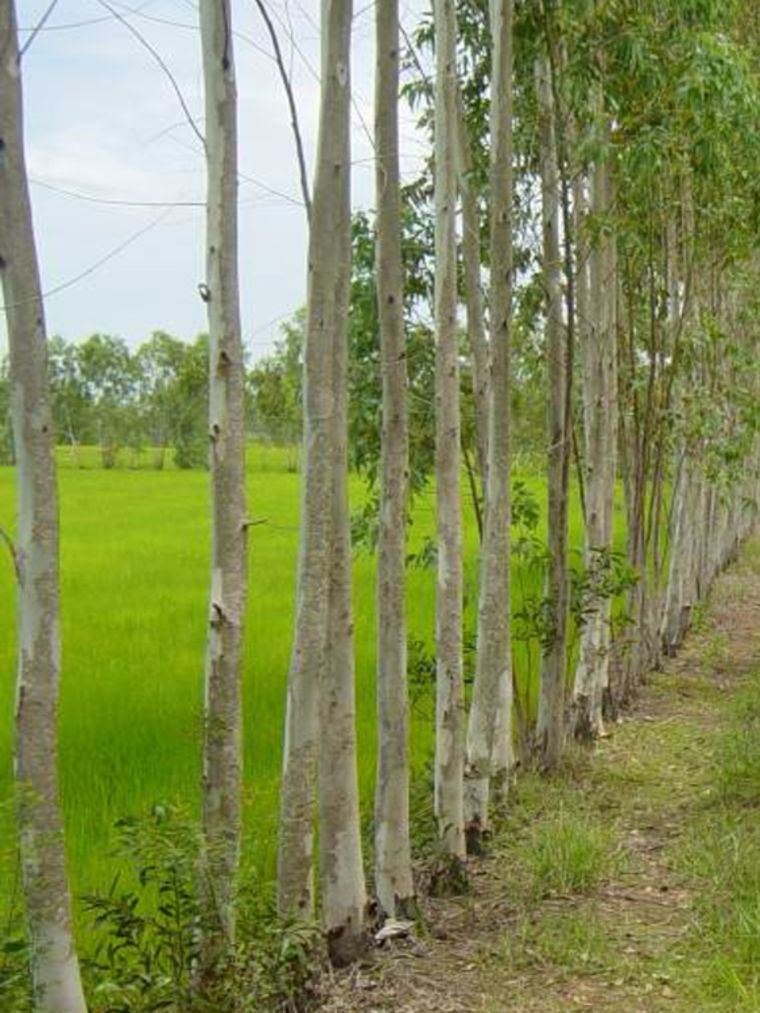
[{"x": 621, "y": 945}]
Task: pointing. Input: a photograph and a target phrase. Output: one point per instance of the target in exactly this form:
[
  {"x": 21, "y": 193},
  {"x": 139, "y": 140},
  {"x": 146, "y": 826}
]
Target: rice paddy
[{"x": 134, "y": 560}]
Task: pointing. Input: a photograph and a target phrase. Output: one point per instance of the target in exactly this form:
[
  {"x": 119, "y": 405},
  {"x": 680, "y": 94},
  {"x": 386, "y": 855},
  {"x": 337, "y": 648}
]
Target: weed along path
[{"x": 629, "y": 882}]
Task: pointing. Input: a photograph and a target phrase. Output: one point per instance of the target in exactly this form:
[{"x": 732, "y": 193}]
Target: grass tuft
[{"x": 568, "y": 855}]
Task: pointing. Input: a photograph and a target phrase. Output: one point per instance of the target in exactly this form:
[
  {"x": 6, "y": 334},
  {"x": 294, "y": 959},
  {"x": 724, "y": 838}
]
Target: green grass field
[{"x": 134, "y": 556}]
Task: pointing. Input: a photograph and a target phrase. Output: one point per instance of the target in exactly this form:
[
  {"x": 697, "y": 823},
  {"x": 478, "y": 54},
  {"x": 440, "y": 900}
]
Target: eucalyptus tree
[
  {"x": 472, "y": 262},
  {"x": 343, "y": 888},
  {"x": 550, "y": 722},
  {"x": 599, "y": 363},
  {"x": 393, "y": 863},
  {"x": 320, "y": 702},
  {"x": 222, "y": 739},
  {"x": 449, "y": 747},
  {"x": 489, "y": 742},
  {"x": 55, "y": 968}
]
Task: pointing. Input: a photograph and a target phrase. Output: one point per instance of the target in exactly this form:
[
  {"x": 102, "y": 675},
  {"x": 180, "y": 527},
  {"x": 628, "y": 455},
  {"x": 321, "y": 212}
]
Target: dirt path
[{"x": 586, "y": 901}]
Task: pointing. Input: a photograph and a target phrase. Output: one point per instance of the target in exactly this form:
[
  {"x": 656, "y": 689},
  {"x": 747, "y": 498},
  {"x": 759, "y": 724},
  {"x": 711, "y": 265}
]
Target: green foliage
[
  {"x": 421, "y": 673},
  {"x": 157, "y": 396},
  {"x": 606, "y": 575},
  {"x": 148, "y": 934},
  {"x": 364, "y": 379},
  {"x": 274, "y": 385}
]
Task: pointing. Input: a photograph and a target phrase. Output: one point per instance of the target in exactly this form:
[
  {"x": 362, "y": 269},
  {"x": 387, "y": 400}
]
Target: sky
[{"x": 105, "y": 131}]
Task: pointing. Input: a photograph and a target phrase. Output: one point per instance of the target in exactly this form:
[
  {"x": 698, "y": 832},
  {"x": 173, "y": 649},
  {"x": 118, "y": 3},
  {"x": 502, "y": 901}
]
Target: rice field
[{"x": 134, "y": 559}]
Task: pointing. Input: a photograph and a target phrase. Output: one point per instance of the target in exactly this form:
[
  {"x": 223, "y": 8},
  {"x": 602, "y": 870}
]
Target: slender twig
[
  {"x": 97, "y": 264},
  {"x": 37, "y": 29},
  {"x": 288, "y": 86},
  {"x": 162, "y": 64},
  {"x": 5, "y": 537}
]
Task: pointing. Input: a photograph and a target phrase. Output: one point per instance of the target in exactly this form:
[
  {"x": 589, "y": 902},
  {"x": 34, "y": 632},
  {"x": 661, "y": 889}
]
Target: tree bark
[
  {"x": 449, "y": 751},
  {"x": 55, "y": 968},
  {"x": 343, "y": 884},
  {"x": 491, "y": 706},
  {"x": 471, "y": 258},
  {"x": 393, "y": 865},
  {"x": 550, "y": 726},
  {"x": 600, "y": 415},
  {"x": 317, "y": 598},
  {"x": 222, "y": 748}
]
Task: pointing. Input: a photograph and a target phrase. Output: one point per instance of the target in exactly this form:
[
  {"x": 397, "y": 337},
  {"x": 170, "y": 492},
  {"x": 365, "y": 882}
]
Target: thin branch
[
  {"x": 83, "y": 23},
  {"x": 426, "y": 80},
  {"x": 162, "y": 64},
  {"x": 287, "y": 85},
  {"x": 92, "y": 199},
  {"x": 11, "y": 545},
  {"x": 37, "y": 29},
  {"x": 98, "y": 263},
  {"x": 270, "y": 189}
]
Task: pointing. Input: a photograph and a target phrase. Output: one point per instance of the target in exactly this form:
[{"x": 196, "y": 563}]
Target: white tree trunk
[
  {"x": 449, "y": 749},
  {"x": 55, "y": 969},
  {"x": 492, "y": 691},
  {"x": 600, "y": 427},
  {"x": 341, "y": 871},
  {"x": 393, "y": 864},
  {"x": 471, "y": 261},
  {"x": 550, "y": 725},
  {"x": 309, "y": 660},
  {"x": 222, "y": 752}
]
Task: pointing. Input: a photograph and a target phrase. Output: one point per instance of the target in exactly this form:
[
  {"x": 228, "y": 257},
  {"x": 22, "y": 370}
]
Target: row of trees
[
  {"x": 603, "y": 156},
  {"x": 122, "y": 401}
]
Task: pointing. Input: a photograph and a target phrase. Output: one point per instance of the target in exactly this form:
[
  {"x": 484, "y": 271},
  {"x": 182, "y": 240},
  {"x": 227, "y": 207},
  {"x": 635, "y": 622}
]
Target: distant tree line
[{"x": 155, "y": 397}]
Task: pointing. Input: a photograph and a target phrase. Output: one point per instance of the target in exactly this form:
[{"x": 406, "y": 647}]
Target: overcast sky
[{"x": 104, "y": 124}]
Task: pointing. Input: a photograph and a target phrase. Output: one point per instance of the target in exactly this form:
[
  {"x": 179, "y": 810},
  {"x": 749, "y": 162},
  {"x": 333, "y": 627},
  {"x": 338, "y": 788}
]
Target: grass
[
  {"x": 134, "y": 560},
  {"x": 633, "y": 875},
  {"x": 567, "y": 854},
  {"x": 573, "y": 940},
  {"x": 723, "y": 853}
]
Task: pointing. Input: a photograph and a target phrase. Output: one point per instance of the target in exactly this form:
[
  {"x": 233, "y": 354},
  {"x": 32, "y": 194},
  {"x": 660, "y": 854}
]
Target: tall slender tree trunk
[
  {"x": 492, "y": 690},
  {"x": 449, "y": 750},
  {"x": 321, "y": 679},
  {"x": 55, "y": 968},
  {"x": 308, "y": 672},
  {"x": 222, "y": 748},
  {"x": 550, "y": 727},
  {"x": 342, "y": 875},
  {"x": 393, "y": 864},
  {"x": 600, "y": 414},
  {"x": 472, "y": 260}
]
